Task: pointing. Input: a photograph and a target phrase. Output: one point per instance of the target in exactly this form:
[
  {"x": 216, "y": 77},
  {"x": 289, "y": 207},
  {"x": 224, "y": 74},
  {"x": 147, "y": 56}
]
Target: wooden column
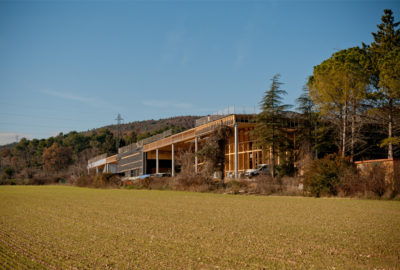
[
  {"x": 236, "y": 151},
  {"x": 229, "y": 157},
  {"x": 173, "y": 160},
  {"x": 195, "y": 156},
  {"x": 157, "y": 167}
]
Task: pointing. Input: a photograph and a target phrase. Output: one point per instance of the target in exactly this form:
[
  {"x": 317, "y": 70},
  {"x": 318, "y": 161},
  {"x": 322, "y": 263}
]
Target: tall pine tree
[
  {"x": 338, "y": 87},
  {"x": 271, "y": 121},
  {"x": 385, "y": 53}
]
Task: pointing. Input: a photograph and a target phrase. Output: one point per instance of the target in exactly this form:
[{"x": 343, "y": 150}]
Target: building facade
[{"x": 161, "y": 153}]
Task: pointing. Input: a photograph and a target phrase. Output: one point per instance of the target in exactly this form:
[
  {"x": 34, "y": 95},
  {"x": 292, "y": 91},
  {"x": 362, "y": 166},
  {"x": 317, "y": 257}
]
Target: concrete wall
[{"x": 391, "y": 167}]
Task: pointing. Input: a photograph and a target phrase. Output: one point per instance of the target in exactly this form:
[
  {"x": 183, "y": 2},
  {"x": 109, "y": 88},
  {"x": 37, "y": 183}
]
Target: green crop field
[{"x": 59, "y": 227}]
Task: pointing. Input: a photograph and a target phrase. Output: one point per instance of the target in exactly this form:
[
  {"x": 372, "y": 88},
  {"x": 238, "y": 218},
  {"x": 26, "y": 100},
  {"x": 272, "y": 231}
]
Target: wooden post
[
  {"x": 173, "y": 160},
  {"x": 236, "y": 151},
  {"x": 195, "y": 156},
  {"x": 157, "y": 160}
]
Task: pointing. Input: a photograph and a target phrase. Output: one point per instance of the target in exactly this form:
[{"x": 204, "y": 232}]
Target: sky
[{"x": 75, "y": 65}]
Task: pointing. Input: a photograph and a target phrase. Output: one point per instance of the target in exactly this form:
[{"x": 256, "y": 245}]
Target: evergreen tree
[
  {"x": 385, "y": 53},
  {"x": 338, "y": 87},
  {"x": 105, "y": 142},
  {"x": 306, "y": 128},
  {"x": 271, "y": 121},
  {"x": 21, "y": 154},
  {"x": 76, "y": 141}
]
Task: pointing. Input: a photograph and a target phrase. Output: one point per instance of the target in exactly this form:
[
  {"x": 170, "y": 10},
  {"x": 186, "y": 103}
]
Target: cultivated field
[{"x": 68, "y": 227}]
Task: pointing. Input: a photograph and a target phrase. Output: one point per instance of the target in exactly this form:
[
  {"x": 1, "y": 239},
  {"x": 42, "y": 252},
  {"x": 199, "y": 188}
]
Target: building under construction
[{"x": 161, "y": 153}]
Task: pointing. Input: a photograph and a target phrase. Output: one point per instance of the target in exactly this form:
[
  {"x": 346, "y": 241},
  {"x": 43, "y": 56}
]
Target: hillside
[
  {"x": 8, "y": 146},
  {"x": 140, "y": 127}
]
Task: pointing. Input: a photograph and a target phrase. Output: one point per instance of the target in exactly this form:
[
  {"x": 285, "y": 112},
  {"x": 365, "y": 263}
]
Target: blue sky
[{"x": 75, "y": 65}]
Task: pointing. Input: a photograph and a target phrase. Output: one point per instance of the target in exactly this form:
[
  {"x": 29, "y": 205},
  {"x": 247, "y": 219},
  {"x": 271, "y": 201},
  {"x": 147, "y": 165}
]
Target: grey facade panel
[{"x": 130, "y": 160}]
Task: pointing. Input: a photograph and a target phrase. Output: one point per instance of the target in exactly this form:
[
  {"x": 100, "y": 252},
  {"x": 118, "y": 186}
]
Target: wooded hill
[
  {"x": 142, "y": 129},
  {"x": 150, "y": 126}
]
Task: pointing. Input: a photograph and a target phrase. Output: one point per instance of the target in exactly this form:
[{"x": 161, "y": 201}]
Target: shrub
[
  {"x": 188, "y": 179},
  {"x": 291, "y": 186},
  {"x": 151, "y": 183},
  {"x": 267, "y": 185},
  {"x": 9, "y": 172},
  {"x": 375, "y": 181},
  {"x": 351, "y": 184},
  {"x": 237, "y": 186},
  {"x": 84, "y": 181},
  {"x": 99, "y": 181},
  {"x": 286, "y": 168},
  {"x": 366, "y": 183},
  {"x": 187, "y": 174},
  {"x": 41, "y": 178},
  {"x": 164, "y": 183},
  {"x": 322, "y": 176},
  {"x": 106, "y": 180},
  {"x": 213, "y": 152},
  {"x": 4, "y": 181}
]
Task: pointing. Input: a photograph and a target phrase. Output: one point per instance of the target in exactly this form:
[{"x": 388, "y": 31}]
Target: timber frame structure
[{"x": 161, "y": 153}]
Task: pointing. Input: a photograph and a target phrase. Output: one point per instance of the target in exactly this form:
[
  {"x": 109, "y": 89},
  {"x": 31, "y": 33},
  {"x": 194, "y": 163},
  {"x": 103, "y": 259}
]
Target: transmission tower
[{"x": 119, "y": 135}]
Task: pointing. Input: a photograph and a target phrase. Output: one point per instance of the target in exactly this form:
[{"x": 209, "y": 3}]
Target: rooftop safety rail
[
  {"x": 127, "y": 148},
  {"x": 224, "y": 121},
  {"x": 134, "y": 146},
  {"x": 243, "y": 110},
  {"x": 157, "y": 137},
  {"x": 207, "y": 119}
]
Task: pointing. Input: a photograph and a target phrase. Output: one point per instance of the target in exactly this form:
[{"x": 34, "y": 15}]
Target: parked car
[{"x": 261, "y": 169}]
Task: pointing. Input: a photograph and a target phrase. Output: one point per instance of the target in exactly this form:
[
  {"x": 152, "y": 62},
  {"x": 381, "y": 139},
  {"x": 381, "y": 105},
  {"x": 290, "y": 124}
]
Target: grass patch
[{"x": 69, "y": 227}]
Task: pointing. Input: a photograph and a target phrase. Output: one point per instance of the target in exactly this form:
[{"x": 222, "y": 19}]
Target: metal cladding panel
[
  {"x": 130, "y": 160},
  {"x": 110, "y": 168}
]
